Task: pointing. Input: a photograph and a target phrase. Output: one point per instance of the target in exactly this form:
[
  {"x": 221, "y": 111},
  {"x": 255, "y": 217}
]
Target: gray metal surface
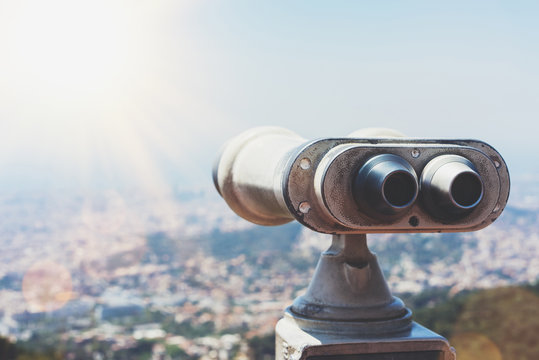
[
  {"x": 348, "y": 310},
  {"x": 271, "y": 176},
  {"x": 348, "y": 187},
  {"x": 293, "y": 343},
  {"x": 248, "y": 174},
  {"x": 451, "y": 186},
  {"x": 334, "y": 209},
  {"x": 386, "y": 185},
  {"x": 348, "y": 293}
]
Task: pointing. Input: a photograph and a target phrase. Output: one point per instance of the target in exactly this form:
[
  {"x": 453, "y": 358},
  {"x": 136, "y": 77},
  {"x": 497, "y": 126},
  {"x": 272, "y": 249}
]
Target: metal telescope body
[{"x": 373, "y": 181}]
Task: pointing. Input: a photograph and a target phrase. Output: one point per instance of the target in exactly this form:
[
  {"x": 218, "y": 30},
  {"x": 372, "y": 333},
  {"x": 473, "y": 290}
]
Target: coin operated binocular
[{"x": 372, "y": 181}]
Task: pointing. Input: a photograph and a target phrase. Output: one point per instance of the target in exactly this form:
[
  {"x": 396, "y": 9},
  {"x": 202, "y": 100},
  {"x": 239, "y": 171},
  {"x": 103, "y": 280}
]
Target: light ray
[{"x": 80, "y": 83}]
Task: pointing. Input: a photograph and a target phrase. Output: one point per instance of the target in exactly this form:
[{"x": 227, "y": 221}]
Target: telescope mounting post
[
  {"x": 348, "y": 312},
  {"x": 371, "y": 181}
]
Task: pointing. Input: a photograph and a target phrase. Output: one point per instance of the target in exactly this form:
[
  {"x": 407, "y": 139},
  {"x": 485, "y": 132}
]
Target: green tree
[{"x": 8, "y": 350}]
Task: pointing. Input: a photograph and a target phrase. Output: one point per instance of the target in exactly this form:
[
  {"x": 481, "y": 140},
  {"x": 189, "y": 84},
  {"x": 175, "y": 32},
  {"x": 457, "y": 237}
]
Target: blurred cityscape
[{"x": 113, "y": 275}]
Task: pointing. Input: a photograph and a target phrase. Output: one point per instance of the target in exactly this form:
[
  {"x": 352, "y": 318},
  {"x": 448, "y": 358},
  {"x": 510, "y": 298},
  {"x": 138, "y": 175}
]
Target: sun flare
[
  {"x": 85, "y": 82},
  {"x": 60, "y": 48}
]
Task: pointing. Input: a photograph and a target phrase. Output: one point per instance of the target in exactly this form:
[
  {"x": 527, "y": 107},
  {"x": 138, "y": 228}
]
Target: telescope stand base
[{"x": 419, "y": 343}]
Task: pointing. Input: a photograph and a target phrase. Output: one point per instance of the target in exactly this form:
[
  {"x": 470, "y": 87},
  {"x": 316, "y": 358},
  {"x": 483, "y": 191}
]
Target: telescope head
[{"x": 369, "y": 182}]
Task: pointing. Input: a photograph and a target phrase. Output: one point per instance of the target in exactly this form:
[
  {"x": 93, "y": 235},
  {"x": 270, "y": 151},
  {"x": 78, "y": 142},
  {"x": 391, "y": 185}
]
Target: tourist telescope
[{"x": 372, "y": 181}]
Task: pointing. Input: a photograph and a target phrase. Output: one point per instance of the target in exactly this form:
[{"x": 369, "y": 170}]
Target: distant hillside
[
  {"x": 493, "y": 324},
  {"x": 502, "y": 254},
  {"x": 251, "y": 242},
  {"x": 254, "y": 243}
]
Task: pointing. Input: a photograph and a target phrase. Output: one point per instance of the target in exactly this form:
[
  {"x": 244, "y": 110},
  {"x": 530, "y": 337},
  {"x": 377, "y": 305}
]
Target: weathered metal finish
[
  {"x": 349, "y": 295},
  {"x": 248, "y": 174},
  {"x": 328, "y": 185},
  {"x": 386, "y": 185},
  {"x": 270, "y": 176},
  {"x": 349, "y": 310},
  {"x": 364, "y": 183},
  {"x": 451, "y": 186},
  {"x": 293, "y": 343}
]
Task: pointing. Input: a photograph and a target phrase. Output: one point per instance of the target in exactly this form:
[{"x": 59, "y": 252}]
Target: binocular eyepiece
[
  {"x": 271, "y": 176},
  {"x": 385, "y": 185},
  {"x": 451, "y": 185}
]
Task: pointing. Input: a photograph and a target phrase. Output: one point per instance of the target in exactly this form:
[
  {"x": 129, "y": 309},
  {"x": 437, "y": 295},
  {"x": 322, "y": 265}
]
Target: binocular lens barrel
[
  {"x": 451, "y": 183},
  {"x": 466, "y": 189},
  {"x": 385, "y": 185},
  {"x": 271, "y": 176},
  {"x": 399, "y": 189}
]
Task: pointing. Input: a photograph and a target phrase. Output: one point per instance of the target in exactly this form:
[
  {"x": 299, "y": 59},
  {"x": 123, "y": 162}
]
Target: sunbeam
[{"x": 81, "y": 84}]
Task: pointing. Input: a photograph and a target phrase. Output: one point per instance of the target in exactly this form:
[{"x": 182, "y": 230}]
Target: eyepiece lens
[
  {"x": 399, "y": 188},
  {"x": 386, "y": 185},
  {"x": 467, "y": 189}
]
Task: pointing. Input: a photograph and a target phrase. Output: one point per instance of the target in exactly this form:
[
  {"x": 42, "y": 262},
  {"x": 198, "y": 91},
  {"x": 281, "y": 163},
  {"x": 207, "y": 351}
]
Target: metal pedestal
[{"x": 349, "y": 313}]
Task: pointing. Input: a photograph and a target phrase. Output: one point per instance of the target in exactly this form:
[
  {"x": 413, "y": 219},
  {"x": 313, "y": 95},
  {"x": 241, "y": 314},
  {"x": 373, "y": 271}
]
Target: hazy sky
[{"x": 114, "y": 92}]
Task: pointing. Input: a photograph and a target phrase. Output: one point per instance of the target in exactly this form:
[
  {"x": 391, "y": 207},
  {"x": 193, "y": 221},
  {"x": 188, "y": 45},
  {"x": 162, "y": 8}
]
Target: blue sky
[{"x": 145, "y": 92}]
